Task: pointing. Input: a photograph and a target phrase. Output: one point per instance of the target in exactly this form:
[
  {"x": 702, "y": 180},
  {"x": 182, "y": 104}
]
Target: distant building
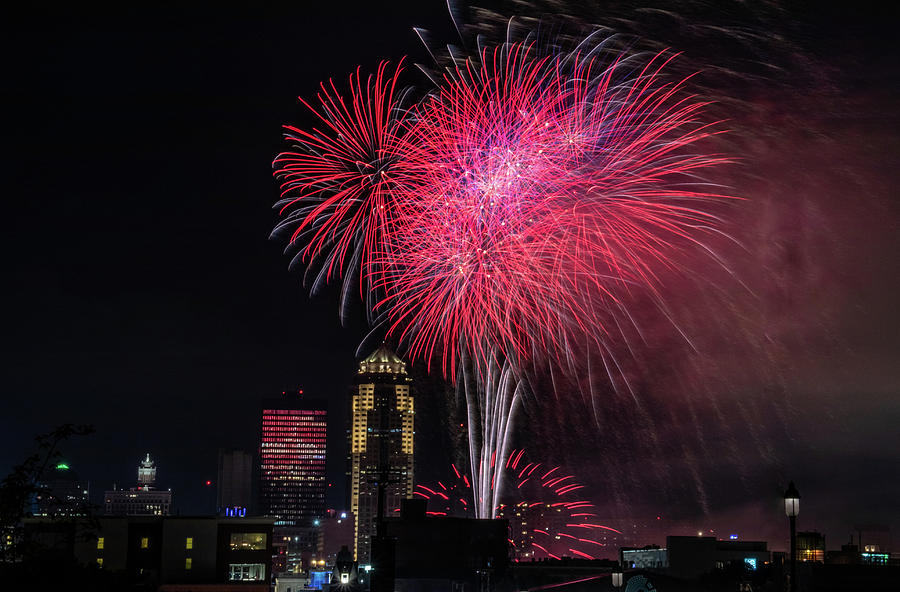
[
  {"x": 874, "y": 538},
  {"x": 649, "y": 557},
  {"x": 292, "y": 459},
  {"x": 234, "y": 489},
  {"x": 336, "y": 532},
  {"x": 173, "y": 553},
  {"x": 526, "y": 519},
  {"x": 441, "y": 553},
  {"x": 345, "y": 575},
  {"x": 62, "y": 494},
  {"x": 301, "y": 582},
  {"x": 848, "y": 555},
  {"x": 146, "y": 473},
  {"x": 810, "y": 546},
  {"x": 143, "y": 500},
  {"x": 381, "y": 440},
  {"x": 138, "y": 502},
  {"x": 690, "y": 556}
]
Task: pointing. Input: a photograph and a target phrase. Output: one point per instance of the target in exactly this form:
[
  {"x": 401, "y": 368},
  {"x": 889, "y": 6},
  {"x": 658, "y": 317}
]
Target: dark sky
[{"x": 143, "y": 295}]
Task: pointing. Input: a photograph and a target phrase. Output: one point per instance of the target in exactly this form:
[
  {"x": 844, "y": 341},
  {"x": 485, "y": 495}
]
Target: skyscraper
[
  {"x": 234, "y": 489},
  {"x": 381, "y": 442},
  {"x": 292, "y": 459},
  {"x": 61, "y": 493}
]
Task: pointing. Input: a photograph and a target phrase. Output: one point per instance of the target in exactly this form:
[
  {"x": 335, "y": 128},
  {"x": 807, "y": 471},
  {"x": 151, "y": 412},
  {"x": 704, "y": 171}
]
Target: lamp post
[{"x": 792, "y": 508}]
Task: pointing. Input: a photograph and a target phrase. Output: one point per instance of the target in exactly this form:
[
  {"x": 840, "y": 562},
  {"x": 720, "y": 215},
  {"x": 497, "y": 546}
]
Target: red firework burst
[
  {"x": 533, "y": 190},
  {"x": 547, "y": 517},
  {"x": 509, "y": 209},
  {"x": 335, "y": 186}
]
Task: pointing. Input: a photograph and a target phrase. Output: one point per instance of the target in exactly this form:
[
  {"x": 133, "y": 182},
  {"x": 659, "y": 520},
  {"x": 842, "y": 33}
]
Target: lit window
[
  {"x": 100, "y": 543},
  {"x": 246, "y": 571},
  {"x": 189, "y": 543},
  {"x": 187, "y": 563},
  {"x": 145, "y": 542},
  {"x": 248, "y": 541},
  {"x": 99, "y": 561}
]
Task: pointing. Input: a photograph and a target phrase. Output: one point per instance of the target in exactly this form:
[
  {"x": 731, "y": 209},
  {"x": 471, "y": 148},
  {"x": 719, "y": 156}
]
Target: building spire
[{"x": 146, "y": 473}]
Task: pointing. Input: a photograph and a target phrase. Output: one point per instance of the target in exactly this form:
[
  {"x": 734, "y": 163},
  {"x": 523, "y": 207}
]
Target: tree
[{"x": 18, "y": 489}]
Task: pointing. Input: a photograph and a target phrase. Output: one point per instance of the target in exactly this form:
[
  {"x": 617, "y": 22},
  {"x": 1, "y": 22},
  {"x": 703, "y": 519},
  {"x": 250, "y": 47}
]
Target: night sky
[{"x": 143, "y": 296}]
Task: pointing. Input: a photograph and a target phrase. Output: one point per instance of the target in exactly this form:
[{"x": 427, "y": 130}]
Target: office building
[
  {"x": 234, "y": 482},
  {"x": 143, "y": 500},
  {"x": 528, "y": 520},
  {"x": 810, "y": 546},
  {"x": 381, "y": 442},
  {"x": 61, "y": 493},
  {"x": 292, "y": 459}
]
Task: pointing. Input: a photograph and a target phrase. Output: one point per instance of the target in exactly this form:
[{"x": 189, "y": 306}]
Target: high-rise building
[
  {"x": 143, "y": 500},
  {"x": 381, "y": 442},
  {"x": 292, "y": 459},
  {"x": 234, "y": 482},
  {"x": 61, "y": 493}
]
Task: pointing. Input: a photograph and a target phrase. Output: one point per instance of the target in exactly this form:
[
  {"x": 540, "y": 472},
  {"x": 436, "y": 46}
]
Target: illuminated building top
[
  {"x": 146, "y": 473},
  {"x": 382, "y": 361}
]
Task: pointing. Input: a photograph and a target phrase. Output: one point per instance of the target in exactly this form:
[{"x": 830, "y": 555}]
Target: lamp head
[{"x": 791, "y": 500}]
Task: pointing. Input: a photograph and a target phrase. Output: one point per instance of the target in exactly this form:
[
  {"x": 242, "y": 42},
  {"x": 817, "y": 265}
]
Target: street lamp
[
  {"x": 617, "y": 579},
  {"x": 792, "y": 508}
]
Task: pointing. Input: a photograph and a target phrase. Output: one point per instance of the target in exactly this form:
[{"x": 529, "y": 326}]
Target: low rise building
[
  {"x": 690, "y": 557},
  {"x": 172, "y": 552},
  {"x": 440, "y": 553}
]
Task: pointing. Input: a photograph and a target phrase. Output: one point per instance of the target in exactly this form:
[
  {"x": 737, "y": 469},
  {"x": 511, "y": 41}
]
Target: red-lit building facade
[{"x": 292, "y": 459}]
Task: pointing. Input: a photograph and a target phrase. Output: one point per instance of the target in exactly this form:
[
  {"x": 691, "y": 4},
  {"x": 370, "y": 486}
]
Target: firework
[
  {"x": 548, "y": 516},
  {"x": 335, "y": 185},
  {"x": 498, "y": 224},
  {"x": 533, "y": 190}
]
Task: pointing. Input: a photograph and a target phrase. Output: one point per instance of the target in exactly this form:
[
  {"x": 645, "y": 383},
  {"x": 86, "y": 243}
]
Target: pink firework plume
[
  {"x": 532, "y": 192},
  {"x": 548, "y": 517},
  {"x": 504, "y": 219},
  {"x": 505, "y": 214}
]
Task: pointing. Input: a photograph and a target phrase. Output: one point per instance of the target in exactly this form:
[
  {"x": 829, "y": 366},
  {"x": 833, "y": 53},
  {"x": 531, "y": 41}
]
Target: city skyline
[{"x": 146, "y": 299}]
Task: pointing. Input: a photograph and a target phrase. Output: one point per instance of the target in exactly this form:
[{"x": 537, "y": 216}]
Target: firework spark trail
[
  {"x": 503, "y": 218},
  {"x": 491, "y": 404},
  {"x": 556, "y": 522}
]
